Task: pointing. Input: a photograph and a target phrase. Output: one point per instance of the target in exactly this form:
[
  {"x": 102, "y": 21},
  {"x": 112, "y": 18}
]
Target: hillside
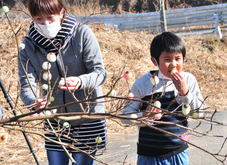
[{"x": 206, "y": 59}]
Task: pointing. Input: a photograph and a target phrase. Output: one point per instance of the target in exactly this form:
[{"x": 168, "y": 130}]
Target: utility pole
[{"x": 163, "y": 16}]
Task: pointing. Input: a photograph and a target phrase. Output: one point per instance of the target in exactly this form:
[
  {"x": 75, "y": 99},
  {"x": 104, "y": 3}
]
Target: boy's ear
[{"x": 154, "y": 61}]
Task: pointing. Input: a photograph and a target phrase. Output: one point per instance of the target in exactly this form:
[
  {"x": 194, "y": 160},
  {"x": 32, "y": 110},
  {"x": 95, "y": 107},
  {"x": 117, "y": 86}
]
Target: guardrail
[{"x": 178, "y": 18}]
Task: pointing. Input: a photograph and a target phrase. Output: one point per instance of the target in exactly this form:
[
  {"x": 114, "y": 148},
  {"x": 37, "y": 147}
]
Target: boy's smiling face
[{"x": 169, "y": 61}]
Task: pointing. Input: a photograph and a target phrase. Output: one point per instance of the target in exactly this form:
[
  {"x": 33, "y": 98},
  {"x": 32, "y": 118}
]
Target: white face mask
[{"x": 50, "y": 30}]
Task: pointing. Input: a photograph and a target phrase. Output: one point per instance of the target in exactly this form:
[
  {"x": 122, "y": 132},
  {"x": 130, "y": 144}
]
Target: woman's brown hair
[{"x": 45, "y": 7}]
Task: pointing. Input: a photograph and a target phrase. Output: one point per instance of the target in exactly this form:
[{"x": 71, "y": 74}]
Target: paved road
[{"x": 123, "y": 147}]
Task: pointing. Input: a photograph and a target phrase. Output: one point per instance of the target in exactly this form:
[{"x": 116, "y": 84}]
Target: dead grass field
[{"x": 206, "y": 59}]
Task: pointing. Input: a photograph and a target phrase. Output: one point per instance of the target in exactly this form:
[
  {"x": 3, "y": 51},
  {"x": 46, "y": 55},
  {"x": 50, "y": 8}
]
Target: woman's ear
[
  {"x": 62, "y": 13},
  {"x": 154, "y": 61}
]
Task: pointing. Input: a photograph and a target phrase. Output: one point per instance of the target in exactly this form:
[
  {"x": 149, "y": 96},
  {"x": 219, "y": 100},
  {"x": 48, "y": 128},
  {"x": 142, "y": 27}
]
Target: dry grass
[{"x": 206, "y": 59}]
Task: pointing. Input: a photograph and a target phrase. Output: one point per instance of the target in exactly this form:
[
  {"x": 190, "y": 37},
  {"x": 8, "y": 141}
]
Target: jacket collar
[{"x": 162, "y": 76}]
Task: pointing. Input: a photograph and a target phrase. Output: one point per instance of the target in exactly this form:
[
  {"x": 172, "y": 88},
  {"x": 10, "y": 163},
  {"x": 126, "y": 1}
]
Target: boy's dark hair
[{"x": 166, "y": 42}]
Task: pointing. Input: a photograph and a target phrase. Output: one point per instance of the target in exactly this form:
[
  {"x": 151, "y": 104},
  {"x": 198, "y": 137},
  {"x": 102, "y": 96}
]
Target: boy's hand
[
  {"x": 179, "y": 83},
  {"x": 39, "y": 103},
  {"x": 73, "y": 83}
]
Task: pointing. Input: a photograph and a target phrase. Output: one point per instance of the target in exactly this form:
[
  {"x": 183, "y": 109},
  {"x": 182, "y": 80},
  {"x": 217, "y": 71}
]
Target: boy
[{"x": 173, "y": 91}]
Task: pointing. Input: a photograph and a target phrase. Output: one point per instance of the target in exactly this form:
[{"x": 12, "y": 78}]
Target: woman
[{"x": 78, "y": 62}]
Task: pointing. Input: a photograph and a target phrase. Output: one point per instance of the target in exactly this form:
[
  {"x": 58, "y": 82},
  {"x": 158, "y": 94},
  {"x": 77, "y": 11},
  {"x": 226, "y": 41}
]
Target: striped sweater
[
  {"x": 155, "y": 143},
  {"x": 82, "y": 136}
]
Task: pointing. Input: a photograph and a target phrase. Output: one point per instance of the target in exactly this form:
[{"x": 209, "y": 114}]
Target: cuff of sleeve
[
  {"x": 80, "y": 84},
  {"x": 187, "y": 99},
  {"x": 130, "y": 122},
  {"x": 82, "y": 78}
]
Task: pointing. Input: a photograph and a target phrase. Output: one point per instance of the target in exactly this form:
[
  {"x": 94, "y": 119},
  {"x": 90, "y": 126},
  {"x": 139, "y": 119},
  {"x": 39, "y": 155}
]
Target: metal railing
[{"x": 178, "y": 18}]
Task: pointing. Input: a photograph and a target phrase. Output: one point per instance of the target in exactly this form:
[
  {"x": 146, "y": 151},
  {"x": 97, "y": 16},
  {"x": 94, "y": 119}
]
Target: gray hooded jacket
[{"x": 81, "y": 56}]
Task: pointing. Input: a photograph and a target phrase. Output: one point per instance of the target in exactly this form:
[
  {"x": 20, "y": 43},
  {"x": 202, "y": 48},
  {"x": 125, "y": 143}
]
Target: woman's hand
[
  {"x": 73, "y": 83},
  {"x": 180, "y": 83}
]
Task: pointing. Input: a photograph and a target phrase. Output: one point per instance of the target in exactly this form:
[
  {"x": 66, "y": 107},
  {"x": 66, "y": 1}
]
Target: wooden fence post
[{"x": 163, "y": 16}]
